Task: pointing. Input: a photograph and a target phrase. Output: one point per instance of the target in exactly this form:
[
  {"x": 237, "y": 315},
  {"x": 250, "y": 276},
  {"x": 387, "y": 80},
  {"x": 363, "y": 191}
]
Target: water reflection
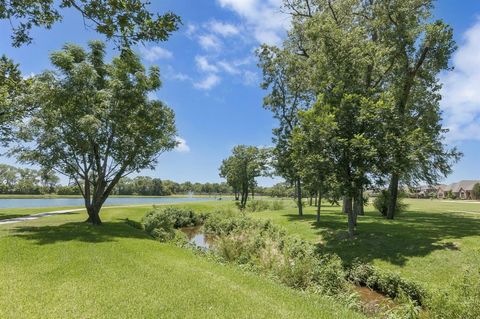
[{"x": 197, "y": 237}]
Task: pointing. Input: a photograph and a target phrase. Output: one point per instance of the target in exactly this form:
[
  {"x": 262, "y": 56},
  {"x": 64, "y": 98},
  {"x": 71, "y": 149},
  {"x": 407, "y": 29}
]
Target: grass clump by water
[
  {"x": 162, "y": 223},
  {"x": 265, "y": 247},
  {"x": 386, "y": 282}
]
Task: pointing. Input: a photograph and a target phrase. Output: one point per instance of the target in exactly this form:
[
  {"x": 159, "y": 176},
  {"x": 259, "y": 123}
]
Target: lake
[{"x": 63, "y": 202}]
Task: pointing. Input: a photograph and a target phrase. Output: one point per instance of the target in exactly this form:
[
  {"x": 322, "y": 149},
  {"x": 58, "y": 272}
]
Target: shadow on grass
[
  {"x": 413, "y": 234},
  {"x": 79, "y": 231}
]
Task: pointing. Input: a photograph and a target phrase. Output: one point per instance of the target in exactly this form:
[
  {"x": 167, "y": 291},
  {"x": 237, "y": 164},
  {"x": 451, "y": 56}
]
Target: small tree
[
  {"x": 93, "y": 121},
  {"x": 242, "y": 167}
]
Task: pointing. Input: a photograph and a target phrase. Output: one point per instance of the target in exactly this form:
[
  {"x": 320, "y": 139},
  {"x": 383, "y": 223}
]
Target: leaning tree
[{"x": 93, "y": 121}]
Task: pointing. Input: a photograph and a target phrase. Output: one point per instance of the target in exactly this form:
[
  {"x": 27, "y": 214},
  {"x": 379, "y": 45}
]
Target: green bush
[
  {"x": 381, "y": 203},
  {"x": 161, "y": 223},
  {"x": 257, "y": 206},
  {"x": 278, "y": 205},
  {"x": 385, "y": 282},
  {"x": 263, "y": 246}
]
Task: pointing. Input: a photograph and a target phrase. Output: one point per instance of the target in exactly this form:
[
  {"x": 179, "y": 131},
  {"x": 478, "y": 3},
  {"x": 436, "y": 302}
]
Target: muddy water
[
  {"x": 197, "y": 237},
  {"x": 373, "y": 302}
]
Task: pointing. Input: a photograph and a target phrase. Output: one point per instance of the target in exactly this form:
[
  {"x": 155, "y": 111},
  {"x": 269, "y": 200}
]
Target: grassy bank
[
  {"x": 60, "y": 267},
  {"x": 431, "y": 243}
]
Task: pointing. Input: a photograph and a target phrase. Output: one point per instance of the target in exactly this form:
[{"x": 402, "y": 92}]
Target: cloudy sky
[{"x": 211, "y": 80}]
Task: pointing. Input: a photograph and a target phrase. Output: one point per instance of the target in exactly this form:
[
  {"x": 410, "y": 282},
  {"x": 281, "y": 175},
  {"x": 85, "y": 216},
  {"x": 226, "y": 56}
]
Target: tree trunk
[
  {"x": 393, "y": 189},
  {"x": 319, "y": 206},
  {"x": 299, "y": 197},
  {"x": 358, "y": 203},
  {"x": 311, "y": 200},
  {"x": 316, "y": 199},
  {"x": 94, "y": 214},
  {"x": 351, "y": 218},
  {"x": 344, "y": 206}
]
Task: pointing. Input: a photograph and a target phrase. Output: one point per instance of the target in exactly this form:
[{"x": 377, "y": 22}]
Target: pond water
[
  {"x": 197, "y": 237},
  {"x": 64, "y": 202}
]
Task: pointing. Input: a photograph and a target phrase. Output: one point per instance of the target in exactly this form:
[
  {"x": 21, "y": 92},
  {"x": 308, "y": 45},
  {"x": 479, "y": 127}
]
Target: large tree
[
  {"x": 285, "y": 79},
  {"x": 420, "y": 48},
  {"x": 93, "y": 121},
  {"x": 244, "y": 165}
]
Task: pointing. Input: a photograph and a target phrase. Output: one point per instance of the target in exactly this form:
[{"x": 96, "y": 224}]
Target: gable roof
[{"x": 466, "y": 185}]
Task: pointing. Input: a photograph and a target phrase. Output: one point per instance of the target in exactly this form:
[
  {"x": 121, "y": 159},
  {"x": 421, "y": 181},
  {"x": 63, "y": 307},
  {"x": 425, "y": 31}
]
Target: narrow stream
[{"x": 197, "y": 237}]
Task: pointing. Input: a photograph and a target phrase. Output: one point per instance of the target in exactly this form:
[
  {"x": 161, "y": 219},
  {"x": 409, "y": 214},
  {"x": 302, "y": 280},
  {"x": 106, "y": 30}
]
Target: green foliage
[
  {"x": 161, "y": 223},
  {"x": 476, "y": 191},
  {"x": 257, "y": 205},
  {"x": 93, "y": 121},
  {"x": 242, "y": 167},
  {"x": 127, "y": 22},
  {"x": 458, "y": 300},
  {"x": 278, "y": 205},
  {"x": 382, "y": 200},
  {"x": 386, "y": 282},
  {"x": 265, "y": 247}
]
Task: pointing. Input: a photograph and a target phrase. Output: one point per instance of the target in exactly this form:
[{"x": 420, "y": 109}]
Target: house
[
  {"x": 423, "y": 191},
  {"x": 460, "y": 190}
]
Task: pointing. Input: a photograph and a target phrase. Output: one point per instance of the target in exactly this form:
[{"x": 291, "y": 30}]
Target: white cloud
[
  {"x": 250, "y": 78},
  {"x": 155, "y": 53},
  {"x": 228, "y": 67},
  {"x": 223, "y": 29},
  {"x": 191, "y": 30},
  {"x": 204, "y": 65},
  {"x": 182, "y": 146},
  {"x": 172, "y": 74},
  {"x": 209, "y": 82},
  {"x": 209, "y": 42},
  {"x": 263, "y": 17},
  {"x": 461, "y": 89}
]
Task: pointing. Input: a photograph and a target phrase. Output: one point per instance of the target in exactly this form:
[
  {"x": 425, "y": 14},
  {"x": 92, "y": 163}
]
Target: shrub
[
  {"x": 381, "y": 203},
  {"x": 278, "y": 205},
  {"x": 263, "y": 246},
  {"x": 161, "y": 223},
  {"x": 385, "y": 282},
  {"x": 257, "y": 206}
]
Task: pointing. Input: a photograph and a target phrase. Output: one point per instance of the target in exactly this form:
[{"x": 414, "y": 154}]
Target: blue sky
[{"x": 211, "y": 80}]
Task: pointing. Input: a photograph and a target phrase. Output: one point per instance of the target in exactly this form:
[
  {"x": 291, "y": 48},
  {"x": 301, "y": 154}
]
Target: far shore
[{"x": 43, "y": 196}]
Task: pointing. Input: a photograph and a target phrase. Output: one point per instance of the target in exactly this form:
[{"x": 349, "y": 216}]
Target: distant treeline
[{"x": 15, "y": 180}]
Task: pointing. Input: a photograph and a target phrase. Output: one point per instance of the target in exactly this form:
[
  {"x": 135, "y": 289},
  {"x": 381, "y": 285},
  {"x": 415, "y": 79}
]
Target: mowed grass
[
  {"x": 431, "y": 243},
  {"x": 59, "y": 267}
]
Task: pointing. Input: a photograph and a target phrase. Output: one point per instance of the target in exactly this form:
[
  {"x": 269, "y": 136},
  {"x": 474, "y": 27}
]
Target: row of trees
[
  {"x": 144, "y": 185},
  {"x": 355, "y": 90},
  {"x": 14, "y": 180}
]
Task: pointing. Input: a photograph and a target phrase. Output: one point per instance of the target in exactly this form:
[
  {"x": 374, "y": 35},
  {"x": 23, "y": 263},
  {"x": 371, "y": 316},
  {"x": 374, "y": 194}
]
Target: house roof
[{"x": 466, "y": 185}]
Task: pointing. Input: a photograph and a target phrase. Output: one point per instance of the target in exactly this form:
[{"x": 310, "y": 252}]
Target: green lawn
[
  {"x": 58, "y": 267},
  {"x": 430, "y": 243}
]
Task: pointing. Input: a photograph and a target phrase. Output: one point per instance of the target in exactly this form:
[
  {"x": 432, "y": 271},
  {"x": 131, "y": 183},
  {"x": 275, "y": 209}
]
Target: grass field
[
  {"x": 58, "y": 267},
  {"x": 430, "y": 243}
]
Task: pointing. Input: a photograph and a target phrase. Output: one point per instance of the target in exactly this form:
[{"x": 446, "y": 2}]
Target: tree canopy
[
  {"x": 127, "y": 22},
  {"x": 244, "y": 165},
  {"x": 93, "y": 122}
]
